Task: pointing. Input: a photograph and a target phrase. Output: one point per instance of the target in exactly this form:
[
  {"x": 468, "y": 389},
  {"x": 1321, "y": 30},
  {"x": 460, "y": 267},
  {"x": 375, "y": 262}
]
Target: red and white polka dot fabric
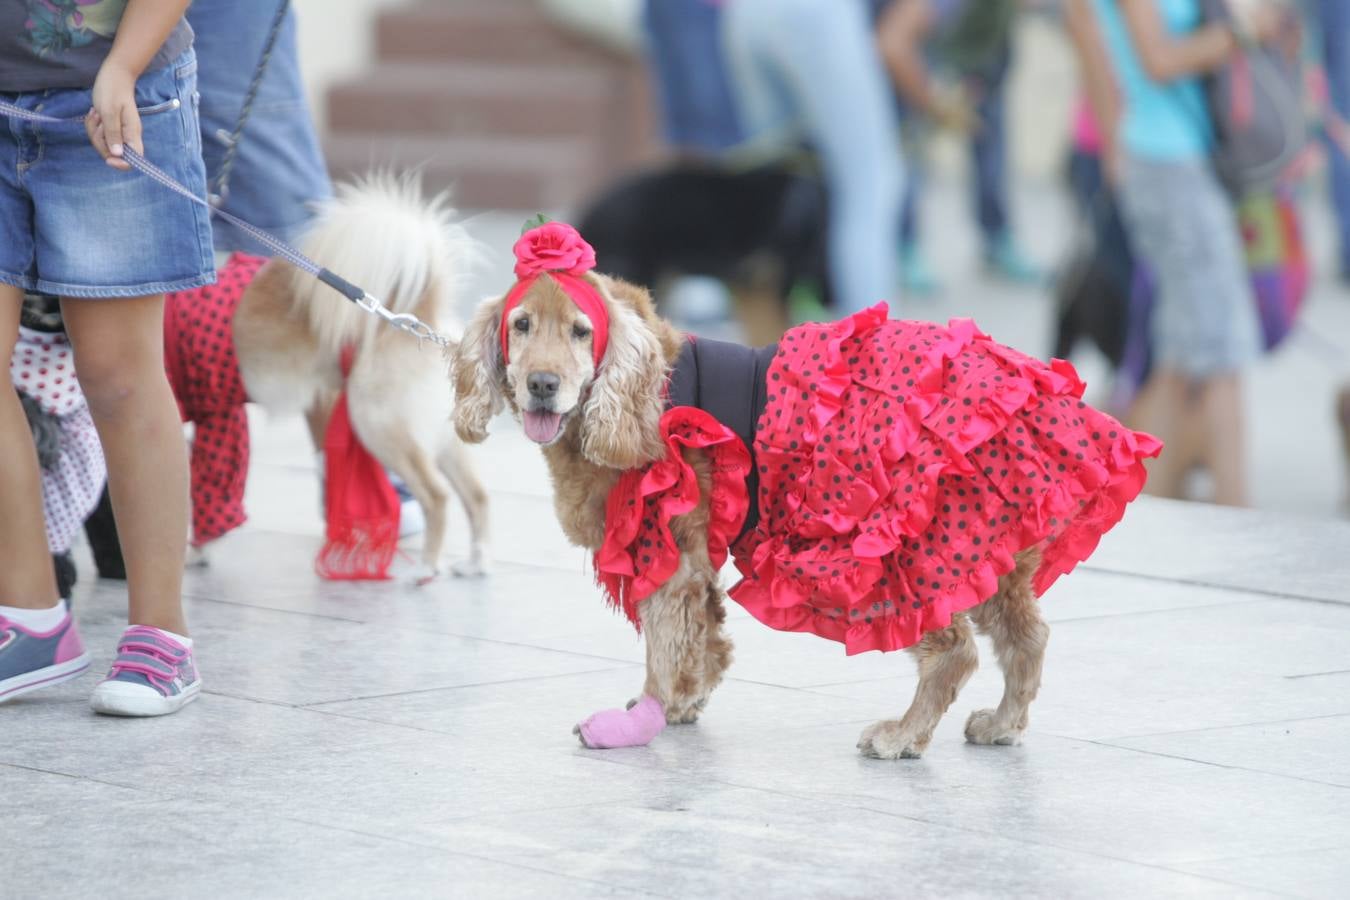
[{"x": 43, "y": 368}]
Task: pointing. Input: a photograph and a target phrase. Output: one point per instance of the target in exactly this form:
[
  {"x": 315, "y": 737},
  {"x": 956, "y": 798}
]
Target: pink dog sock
[{"x": 633, "y": 727}]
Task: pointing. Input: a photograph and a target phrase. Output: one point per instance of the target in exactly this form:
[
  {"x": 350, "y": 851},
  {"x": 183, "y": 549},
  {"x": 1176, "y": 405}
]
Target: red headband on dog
[{"x": 556, "y": 249}]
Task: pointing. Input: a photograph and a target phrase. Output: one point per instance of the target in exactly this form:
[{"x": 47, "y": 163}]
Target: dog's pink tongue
[{"x": 540, "y": 426}]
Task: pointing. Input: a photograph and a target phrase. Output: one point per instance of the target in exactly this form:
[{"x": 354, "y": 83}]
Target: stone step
[
  {"x": 482, "y": 173},
  {"x": 476, "y": 99},
  {"x": 488, "y": 30}
]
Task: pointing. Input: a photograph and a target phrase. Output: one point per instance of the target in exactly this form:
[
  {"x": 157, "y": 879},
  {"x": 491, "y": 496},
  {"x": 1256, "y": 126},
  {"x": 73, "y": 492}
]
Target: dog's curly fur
[
  {"x": 611, "y": 423},
  {"x": 290, "y": 331}
]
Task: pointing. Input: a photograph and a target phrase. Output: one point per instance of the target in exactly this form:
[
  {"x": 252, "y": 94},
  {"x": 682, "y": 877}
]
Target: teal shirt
[{"x": 1160, "y": 121}]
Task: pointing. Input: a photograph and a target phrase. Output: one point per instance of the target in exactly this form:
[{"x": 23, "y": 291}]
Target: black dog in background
[
  {"x": 1092, "y": 292},
  {"x": 742, "y": 227}
]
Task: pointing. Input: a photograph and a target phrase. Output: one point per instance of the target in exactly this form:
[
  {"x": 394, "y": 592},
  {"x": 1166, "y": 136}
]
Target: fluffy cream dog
[{"x": 290, "y": 334}]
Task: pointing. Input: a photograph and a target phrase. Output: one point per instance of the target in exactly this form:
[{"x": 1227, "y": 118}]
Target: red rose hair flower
[{"x": 557, "y": 250}]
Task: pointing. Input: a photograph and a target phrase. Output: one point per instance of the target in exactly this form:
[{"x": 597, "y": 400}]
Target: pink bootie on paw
[{"x": 634, "y": 727}]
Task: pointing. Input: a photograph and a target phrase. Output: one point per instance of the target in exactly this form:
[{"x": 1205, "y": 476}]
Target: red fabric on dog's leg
[
  {"x": 219, "y": 470},
  {"x": 639, "y": 552},
  {"x": 203, "y": 370},
  {"x": 362, "y": 507}
]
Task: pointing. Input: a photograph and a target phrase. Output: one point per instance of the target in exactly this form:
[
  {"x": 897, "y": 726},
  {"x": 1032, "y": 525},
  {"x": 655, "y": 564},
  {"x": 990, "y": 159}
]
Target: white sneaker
[{"x": 153, "y": 675}]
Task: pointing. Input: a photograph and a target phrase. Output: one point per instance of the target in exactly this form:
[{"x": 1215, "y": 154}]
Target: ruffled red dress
[{"x": 900, "y": 466}]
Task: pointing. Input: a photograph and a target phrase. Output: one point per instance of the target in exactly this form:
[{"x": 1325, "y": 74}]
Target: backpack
[{"x": 1256, "y": 105}]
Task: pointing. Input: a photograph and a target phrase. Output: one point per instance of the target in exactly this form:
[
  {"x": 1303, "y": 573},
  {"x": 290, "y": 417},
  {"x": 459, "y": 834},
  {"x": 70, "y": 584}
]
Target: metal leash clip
[{"x": 403, "y": 321}]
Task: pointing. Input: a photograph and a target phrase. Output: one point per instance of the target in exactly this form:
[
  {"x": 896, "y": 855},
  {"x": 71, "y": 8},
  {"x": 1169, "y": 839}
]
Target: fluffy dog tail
[{"x": 382, "y": 233}]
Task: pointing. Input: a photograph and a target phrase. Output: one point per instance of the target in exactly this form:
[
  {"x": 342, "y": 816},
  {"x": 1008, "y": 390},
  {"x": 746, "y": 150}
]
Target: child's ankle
[
  {"x": 180, "y": 636},
  {"x": 38, "y": 618}
]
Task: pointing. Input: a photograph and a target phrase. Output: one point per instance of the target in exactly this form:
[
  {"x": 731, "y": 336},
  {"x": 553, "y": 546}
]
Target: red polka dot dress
[
  {"x": 204, "y": 372},
  {"x": 901, "y": 466}
]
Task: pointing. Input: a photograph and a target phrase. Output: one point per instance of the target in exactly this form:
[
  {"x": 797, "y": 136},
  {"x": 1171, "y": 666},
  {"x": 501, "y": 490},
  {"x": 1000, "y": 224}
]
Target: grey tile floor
[
  {"x": 386, "y": 740},
  {"x": 360, "y": 740}
]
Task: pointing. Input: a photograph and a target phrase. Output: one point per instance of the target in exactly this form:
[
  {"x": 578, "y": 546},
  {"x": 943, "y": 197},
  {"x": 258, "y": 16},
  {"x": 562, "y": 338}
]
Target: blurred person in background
[
  {"x": 1144, "y": 80},
  {"x": 278, "y": 172},
  {"x": 698, "y": 120},
  {"x": 809, "y": 70},
  {"x": 684, "y": 50},
  {"x": 1333, "y": 19},
  {"x": 949, "y": 60}
]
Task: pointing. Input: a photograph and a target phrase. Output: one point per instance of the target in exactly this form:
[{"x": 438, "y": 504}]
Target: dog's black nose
[{"x": 542, "y": 385}]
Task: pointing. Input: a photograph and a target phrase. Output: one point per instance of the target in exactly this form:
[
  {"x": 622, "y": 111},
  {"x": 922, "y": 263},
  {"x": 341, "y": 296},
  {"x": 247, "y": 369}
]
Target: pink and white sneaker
[
  {"x": 153, "y": 675},
  {"x": 30, "y": 660}
]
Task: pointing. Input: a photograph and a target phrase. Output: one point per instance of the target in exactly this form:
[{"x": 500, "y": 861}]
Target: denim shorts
[{"x": 72, "y": 225}]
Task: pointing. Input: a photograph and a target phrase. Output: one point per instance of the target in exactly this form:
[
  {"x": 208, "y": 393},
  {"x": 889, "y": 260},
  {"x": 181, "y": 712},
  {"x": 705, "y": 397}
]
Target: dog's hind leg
[
  {"x": 947, "y": 659},
  {"x": 1012, "y": 619},
  {"x": 454, "y": 461}
]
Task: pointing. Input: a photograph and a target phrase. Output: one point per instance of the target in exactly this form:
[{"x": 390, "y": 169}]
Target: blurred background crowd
[
  {"x": 1062, "y": 171},
  {"x": 1158, "y": 190}
]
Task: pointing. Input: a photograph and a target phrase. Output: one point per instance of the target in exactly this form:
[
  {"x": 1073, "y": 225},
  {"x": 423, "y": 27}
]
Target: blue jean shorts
[{"x": 72, "y": 225}]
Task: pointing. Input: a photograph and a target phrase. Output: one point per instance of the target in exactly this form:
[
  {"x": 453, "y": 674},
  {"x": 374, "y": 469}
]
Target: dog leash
[
  {"x": 234, "y": 138},
  {"x": 406, "y": 322}
]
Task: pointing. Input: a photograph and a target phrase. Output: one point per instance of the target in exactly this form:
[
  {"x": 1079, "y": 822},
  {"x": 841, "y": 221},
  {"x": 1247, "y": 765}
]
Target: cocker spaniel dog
[{"x": 884, "y": 484}]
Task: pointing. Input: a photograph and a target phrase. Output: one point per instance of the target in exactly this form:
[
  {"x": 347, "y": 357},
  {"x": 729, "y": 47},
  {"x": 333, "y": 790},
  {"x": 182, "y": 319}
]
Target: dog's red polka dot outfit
[
  {"x": 900, "y": 467},
  {"x": 204, "y": 372}
]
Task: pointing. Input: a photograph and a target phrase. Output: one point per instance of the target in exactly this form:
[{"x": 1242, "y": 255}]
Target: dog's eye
[
  {"x": 580, "y": 332},
  {"x": 523, "y": 324}
]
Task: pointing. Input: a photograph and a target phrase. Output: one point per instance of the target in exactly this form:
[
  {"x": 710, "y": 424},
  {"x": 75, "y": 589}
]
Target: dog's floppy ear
[
  {"x": 622, "y": 418},
  {"x": 479, "y": 374}
]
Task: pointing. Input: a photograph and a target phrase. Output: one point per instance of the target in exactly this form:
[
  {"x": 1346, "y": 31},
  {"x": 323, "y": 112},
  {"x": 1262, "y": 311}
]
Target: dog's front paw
[
  {"x": 985, "y": 727},
  {"x": 888, "y": 740},
  {"x": 682, "y": 715},
  {"x": 677, "y": 715},
  {"x": 631, "y": 727}
]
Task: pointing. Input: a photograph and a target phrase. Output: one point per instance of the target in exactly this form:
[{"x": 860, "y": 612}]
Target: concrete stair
[{"x": 494, "y": 101}]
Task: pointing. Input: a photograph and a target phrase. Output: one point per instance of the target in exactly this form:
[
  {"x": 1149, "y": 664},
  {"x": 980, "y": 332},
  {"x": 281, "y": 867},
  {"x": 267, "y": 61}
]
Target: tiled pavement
[{"x": 386, "y": 740}]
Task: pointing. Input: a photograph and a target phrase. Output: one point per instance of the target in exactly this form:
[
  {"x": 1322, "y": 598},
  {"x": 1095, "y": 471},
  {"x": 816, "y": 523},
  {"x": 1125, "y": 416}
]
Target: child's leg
[
  {"x": 119, "y": 356},
  {"x": 1225, "y": 443},
  {"x": 26, "y": 576}
]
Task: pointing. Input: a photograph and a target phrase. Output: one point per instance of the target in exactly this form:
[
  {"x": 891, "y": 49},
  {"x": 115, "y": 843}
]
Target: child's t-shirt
[
  {"x": 1165, "y": 122},
  {"x": 61, "y": 43}
]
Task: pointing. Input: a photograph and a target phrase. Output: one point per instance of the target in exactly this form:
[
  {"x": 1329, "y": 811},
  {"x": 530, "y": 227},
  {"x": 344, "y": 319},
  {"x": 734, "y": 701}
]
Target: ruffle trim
[
  {"x": 639, "y": 553},
  {"x": 1092, "y": 496}
]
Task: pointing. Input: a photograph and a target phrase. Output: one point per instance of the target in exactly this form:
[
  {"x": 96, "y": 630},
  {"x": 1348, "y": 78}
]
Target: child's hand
[
  {"x": 953, "y": 111},
  {"x": 114, "y": 122}
]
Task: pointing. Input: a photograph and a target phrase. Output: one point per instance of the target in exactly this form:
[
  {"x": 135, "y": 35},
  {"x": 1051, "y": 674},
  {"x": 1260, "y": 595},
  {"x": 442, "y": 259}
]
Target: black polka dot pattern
[
  {"x": 903, "y": 464},
  {"x": 204, "y": 373},
  {"x": 639, "y": 552}
]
